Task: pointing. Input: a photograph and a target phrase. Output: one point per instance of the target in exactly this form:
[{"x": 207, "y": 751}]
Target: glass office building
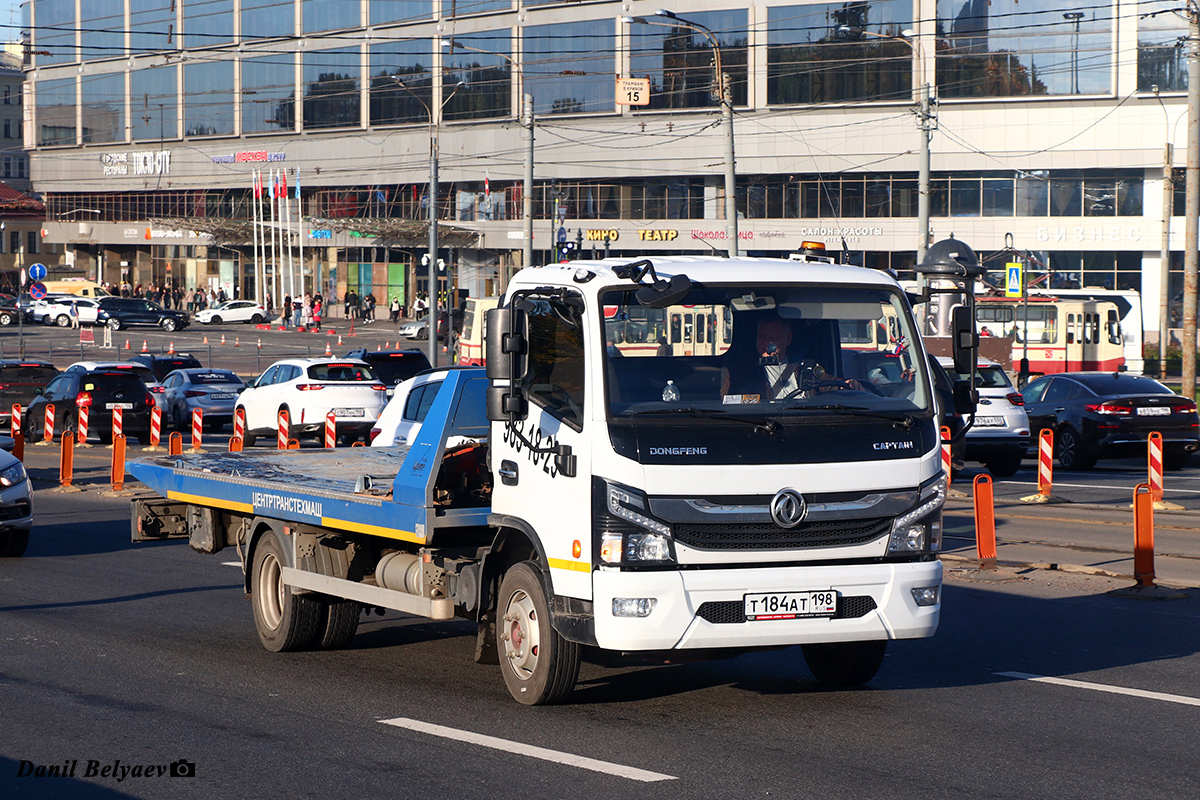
[{"x": 1049, "y": 126}]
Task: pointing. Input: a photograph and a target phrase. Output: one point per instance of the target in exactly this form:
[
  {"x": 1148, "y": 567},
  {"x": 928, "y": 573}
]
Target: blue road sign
[
  {"x": 37, "y": 272},
  {"x": 37, "y": 290}
]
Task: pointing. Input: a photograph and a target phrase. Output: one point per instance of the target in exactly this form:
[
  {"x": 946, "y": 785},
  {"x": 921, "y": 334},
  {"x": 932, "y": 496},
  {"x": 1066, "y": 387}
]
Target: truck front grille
[
  {"x": 768, "y": 536},
  {"x": 730, "y": 612}
]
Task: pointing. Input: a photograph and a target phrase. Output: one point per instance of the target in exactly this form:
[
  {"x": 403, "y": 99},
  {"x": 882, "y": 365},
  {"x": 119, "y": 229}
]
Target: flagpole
[
  {"x": 274, "y": 249},
  {"x": 287, "y": 227},
  {"x": 254, "y": 195},
  {"x": 300, "y": 231},
  {"x": 262, "y": 241}
]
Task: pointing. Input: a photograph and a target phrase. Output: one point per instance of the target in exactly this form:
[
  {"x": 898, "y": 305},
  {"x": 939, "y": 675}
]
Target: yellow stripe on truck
[
  {"x": 374, "y": 530},
  {"x": 199, "y": 500},
  {"x": 573, "y": 566}
]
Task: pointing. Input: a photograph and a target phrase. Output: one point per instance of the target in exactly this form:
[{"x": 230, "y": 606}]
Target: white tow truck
[{"x": 759, "y": 480}]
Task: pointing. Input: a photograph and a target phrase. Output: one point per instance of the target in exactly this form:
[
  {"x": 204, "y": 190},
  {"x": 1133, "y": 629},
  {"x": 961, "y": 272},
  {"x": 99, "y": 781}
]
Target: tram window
[
  {"x": 1070, "y": 329},
  {"x": 688, "y": 325},
  {"x": 676, "y": 328},
  {"x": 700, "y": 329}
]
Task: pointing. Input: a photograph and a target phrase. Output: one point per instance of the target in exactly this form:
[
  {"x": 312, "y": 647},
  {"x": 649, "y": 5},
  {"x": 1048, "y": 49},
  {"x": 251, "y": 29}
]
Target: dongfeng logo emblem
[{"x": 788, "y": 508}]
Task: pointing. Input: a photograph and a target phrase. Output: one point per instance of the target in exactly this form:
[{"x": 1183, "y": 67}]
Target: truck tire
[
  {"x": 844, "y": 663},
  {"x": 540, "y": 667},
  {"x": 13, "y": 543},
  {"x": 285, "y": 621},
  {"x": 339, "y": 622}
]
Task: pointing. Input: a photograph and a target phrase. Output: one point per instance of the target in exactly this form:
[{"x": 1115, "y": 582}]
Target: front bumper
[
  {"x": 16, "y": 507},
  {"x": 681, "y": 620}
]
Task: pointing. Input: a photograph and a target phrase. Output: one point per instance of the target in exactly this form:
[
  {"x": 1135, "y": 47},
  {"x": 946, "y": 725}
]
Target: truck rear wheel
[
  {"x": 339, "y": 622},
  {"x": 539, "y": 666},
  {"x": 284, "y": 620},
  {"x": 844, "y": 663}
]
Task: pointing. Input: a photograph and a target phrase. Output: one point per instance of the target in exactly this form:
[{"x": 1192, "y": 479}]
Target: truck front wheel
[
  {"x": 285, "y": 621},
  {"x": 844, "y": 663},
  {"x": 539, "y": 666}
]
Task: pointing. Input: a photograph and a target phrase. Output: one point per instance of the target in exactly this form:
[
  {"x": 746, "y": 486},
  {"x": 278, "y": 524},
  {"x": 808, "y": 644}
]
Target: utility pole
[
  {"x": 527, "y": 191},
  {"x": 1191, "y": 258},
  {"x": 926, "y": 123}
]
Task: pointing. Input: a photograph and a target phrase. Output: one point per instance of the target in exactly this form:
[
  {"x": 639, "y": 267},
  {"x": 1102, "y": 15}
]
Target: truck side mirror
[
  {"x": 507, "y": 347},
  {"x": 506, "y": 404},
  {"x": 965, "y": 340},
  {"x": 966, "y": 397}
]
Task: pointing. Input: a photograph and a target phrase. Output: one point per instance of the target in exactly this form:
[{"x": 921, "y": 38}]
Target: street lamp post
[
  {"x": 432, "y": 267},
  {"x": 926, "y": 123},
  {"x": 724, "y": 90},
  {"x": 527, "y": 122}
]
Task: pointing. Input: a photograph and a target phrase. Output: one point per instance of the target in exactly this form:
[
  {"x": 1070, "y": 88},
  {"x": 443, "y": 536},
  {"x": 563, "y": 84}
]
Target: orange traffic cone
[
  {"x": 145, "y": 348},
  {"x": 260, "y": 344},
  {"x": 378, "y": 348},
  {"x": 237, "y": 341},
  {"x": 171, "y": 349},
  {"x": 328, "y": 352},
  {"x": 205, "y": 339},
  {"x": 339, "y": 341},
  {"x": 127, "y": 347},
  {"x": 222, "y": 338}
]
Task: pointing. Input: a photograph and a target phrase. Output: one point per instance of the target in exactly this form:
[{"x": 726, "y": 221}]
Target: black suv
[
  {"x": 121, "y": 312},
  {"x": 392, "y": 366},
  {"x": 19, "y": 384},
  {"x": 101, "y": 391},
  {"x": 163, "y": 366}
]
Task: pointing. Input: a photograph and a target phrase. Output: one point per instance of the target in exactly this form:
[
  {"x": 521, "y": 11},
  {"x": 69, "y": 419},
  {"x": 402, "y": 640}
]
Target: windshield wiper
[
  {"x": 768, "y": 425},
  {"x": 902, "y": 417}
]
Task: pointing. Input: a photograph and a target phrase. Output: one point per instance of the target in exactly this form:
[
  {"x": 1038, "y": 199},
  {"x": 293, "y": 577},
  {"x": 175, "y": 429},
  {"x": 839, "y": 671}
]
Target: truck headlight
[
  {"x": 920, "y": 530},
  {"x": 12, "y": 475},
  {"x": 626, "y": 533}
]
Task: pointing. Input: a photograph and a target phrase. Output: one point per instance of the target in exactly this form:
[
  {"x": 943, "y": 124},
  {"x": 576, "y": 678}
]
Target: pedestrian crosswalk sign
[{"x": 1013, "y": 284}]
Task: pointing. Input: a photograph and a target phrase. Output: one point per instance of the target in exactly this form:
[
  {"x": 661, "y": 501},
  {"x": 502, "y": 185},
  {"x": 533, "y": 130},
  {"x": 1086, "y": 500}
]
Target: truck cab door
[{"x": 552, "y": 495}]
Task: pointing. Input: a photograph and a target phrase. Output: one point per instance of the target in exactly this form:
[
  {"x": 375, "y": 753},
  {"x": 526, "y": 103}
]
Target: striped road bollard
[
  {"x": 1045, "y": 470},
  {"x": 284, "y": 429},
  {"x": 239, "y": 424},
  {"x": 118, "y": 425},
  {"x": 155, "y": 427},
  {"x": 1154, "y": 463},
  {"x": 947, "y": 465},
  {"x": 330, "y": 431},
  {"x": 14, "y": 422},
  {"x": 84, "y": 412},
  {"x": 48, "y": 426},
  {"x": 197, "y": 429}
]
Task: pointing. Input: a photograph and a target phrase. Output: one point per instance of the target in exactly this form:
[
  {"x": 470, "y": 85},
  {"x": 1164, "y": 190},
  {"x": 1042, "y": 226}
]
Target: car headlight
[
  {"x": 920, "y": 530},
  {"x": 13, "y": 475},
  {"x": 625, "y": 532}
]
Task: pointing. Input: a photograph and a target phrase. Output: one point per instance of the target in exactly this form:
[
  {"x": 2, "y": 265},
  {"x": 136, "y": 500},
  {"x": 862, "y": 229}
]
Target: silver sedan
[{"x": 213, "y": 391}]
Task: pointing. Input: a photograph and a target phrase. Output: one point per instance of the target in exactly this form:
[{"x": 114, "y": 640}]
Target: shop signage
[
  {"x": 142, "y": 162},
  {"x": 162, "y": 233},
  {"x": 1090, "y": 233},
  {"x": 599, "y": 235},
  {"x": 248, "y": 157},
  {"x": 320, "y": 234},
  {"x": 657, "y": 235}
]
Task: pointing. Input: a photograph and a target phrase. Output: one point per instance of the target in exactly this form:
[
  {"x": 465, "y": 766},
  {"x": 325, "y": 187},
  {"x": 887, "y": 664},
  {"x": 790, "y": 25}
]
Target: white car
[
  {"x": 403, "y": 416},
  {"x": 58, "y": 312},
  {"x": 1001, "y": 433},
  {"x": 16, "y": 507},
  {"x": 309, "y": 388},
  {"x": 233, "y": 311}
]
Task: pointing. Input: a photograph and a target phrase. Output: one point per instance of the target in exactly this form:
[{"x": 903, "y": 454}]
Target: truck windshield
[{"x": 779, "y": 352}]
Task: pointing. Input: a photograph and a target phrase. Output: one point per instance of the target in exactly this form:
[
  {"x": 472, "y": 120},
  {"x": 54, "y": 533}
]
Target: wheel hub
[{"x": 522, "y": 636}]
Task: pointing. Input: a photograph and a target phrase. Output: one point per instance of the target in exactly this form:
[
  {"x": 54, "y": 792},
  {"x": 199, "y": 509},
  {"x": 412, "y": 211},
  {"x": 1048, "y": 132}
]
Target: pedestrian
[
  {"x": 369, "y": 306},
  {"x": 317, "y": 313},
  {"x": 297, "y": 308},
  {"x": 75, "y": 315},
  {"x": 285, "y": 316},
  {"x": 395, "y": 309}
]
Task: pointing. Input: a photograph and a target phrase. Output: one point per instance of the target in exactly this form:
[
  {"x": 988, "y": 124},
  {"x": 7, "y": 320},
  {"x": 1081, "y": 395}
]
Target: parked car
[
  {"x": 416, "y": 329},
  {"x": 999, "y": 438},
  {"x": 309, "y": 388},
  {"x": 1109, "y": 415},
  {"x": 58, "y": 312},
  {"x": 101, "y": 391},
  {"x": 8, "y": 311},
  {"x": 37, "y": 308},
  {"x": 122, "y": 312},
  {"x": 20, "y": 381},
  {"x": 163, "y": 365},
  {"x": 16, "y": 507},
  {"x": 141, "y": 370},
  {"x": 392, "y": 366},
  {"x": 233, "y": 311},
  {"x": 213, "y": 391}
]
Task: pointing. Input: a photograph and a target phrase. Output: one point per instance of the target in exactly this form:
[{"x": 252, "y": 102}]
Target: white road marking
[
  {"x": 231, "y": 564},
  {"x": 1101, "y": 687},
  {"x": 520, "y": 748},
  {"x": 1173, "y": 490}
]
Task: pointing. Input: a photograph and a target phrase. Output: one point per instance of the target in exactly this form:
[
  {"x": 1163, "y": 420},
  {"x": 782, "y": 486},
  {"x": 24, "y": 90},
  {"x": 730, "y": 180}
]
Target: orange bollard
[
  {"x": 1154, "y": 463},
  {"x": 239, "y": 423},
  {"x": 947, "y": 465},
  {"x": 985, "y": 522},
  {"x": 284, "y": 430},
  {"x": 66, "y": 460},
  {"x": 330, "y": 431},
  {"x": 235, "y": 444},
  {"x": 118, "y": 462},
  {"x": 1143, "y": 536},
  {"x": 48, "y": 427},
  {"x": 14, "y": 422},
  {"x": 156, "y": 426},
  {"x": 1045, "y": 461},
  {"x": 293, "y": 444},
  {"x": 175, "y": 444},
  {"x": 18, "y": 450},
  {"x": 359, "y": 444},
  {"x": 197, "y": 429}
]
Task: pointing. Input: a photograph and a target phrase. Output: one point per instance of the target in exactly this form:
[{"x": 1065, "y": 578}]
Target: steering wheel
[{"x": 835, "y": 385}]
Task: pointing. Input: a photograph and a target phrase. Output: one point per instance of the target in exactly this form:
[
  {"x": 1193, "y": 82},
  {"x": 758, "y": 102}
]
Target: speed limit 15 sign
[{"x": 633, "y": 91}]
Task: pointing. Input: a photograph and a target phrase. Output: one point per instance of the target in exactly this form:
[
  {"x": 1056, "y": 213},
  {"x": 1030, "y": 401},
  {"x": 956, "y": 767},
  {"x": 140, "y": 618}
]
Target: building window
[
  {"x": 7, "y": 95},
  {"x": 268, "y": 94},
  {"x": 486, "y": 89},
  {"x": 330, "y": 15},
  {"x": 680, "y": 62},
  {"x": 826, "y": 53},
  {"x": 570, "y": 67},
  {"x": 102, "y": 24},
  {"x": 404, "y": 62},
  {"x": 8, "y": 129},
  {"x": 151, "y": 25},
  {"x": 208, "y": 105},
  {"x": 54, "y": 36},
  {"x": 331, "y": 82},
  {"x": 1162, "y": 55},
  {"x": 208, "y": 22},
  {"x": 31, "y": 242},
  {"x": 103, "y": 108},
  {"x": 1004, "y": 48},
  {"x": 266, "y": 19},
  {"x": 383, "y": 12},
  {"x": 56, "y": 112},
  {"x": 155, "y": 103}
]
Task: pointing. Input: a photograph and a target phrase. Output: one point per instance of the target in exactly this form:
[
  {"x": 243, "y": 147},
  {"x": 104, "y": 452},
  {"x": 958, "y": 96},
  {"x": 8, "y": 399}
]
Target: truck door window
[{"x": 556, "y": 364}]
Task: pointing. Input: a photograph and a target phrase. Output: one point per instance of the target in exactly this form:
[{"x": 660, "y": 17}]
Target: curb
[{"x": 1074, "y": 569}]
